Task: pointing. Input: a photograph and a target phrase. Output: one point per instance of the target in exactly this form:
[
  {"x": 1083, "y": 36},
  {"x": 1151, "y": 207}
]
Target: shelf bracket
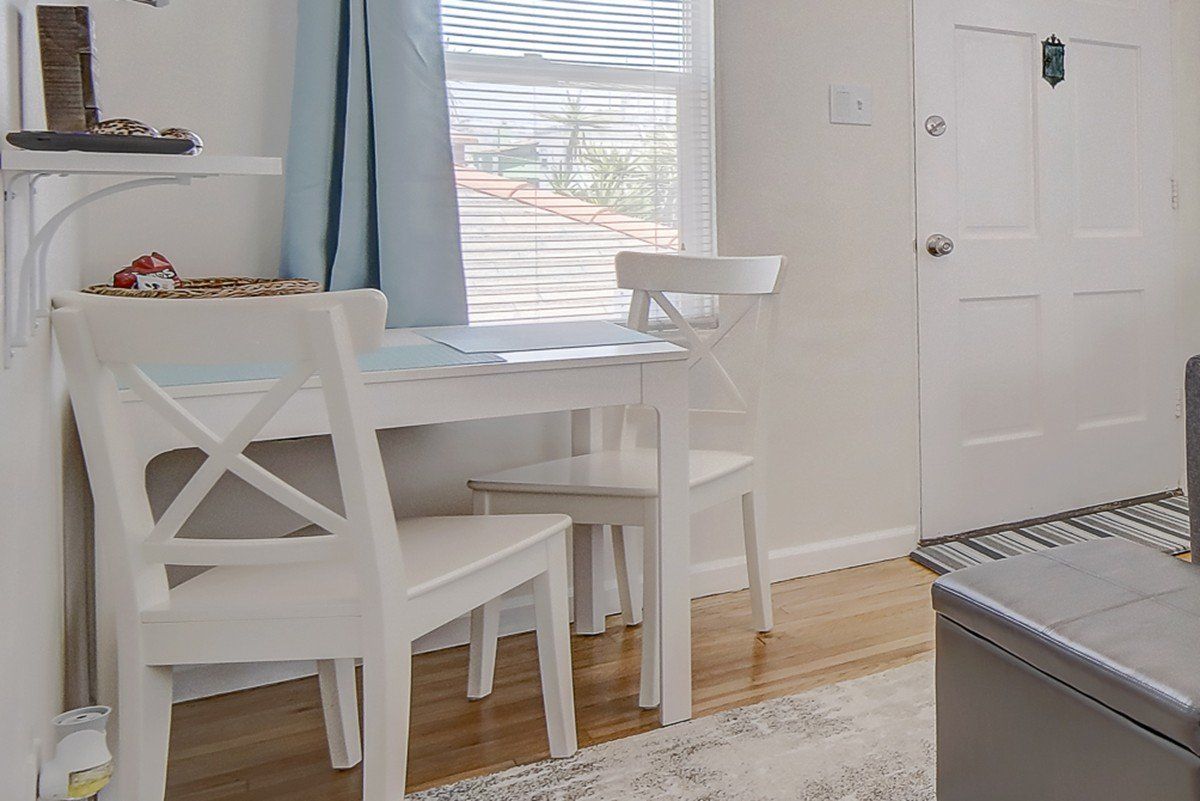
[{"x": 26, "y": 295}]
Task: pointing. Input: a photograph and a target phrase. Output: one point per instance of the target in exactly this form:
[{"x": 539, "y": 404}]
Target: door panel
[
  {"x": 1046, "y": 336},
  {"x": 1105, "y": 127},
  {"x": 1109, "y": 341},
  {"x": 1001, "y": 393},
  {"x": 997, "y": 165}
]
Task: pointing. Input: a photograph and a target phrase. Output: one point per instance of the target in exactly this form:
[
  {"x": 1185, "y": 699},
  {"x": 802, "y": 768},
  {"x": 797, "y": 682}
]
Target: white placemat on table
[{"x": 535, "y": 336}]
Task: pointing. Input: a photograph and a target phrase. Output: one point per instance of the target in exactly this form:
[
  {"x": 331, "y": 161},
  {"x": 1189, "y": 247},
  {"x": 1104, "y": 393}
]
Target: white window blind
[{"x": 581, "y": 128}]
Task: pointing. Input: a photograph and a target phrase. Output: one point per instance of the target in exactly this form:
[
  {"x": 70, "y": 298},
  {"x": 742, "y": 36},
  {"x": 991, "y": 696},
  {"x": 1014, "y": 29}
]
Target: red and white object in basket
[{"x": 148, "y": 272}]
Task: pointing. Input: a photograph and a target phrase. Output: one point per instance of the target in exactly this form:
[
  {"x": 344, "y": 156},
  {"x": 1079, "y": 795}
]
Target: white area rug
[{"x": 870, "y": 739}]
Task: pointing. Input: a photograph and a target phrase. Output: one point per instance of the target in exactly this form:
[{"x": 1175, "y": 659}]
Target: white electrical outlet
[{"x": 850, "y": 105}]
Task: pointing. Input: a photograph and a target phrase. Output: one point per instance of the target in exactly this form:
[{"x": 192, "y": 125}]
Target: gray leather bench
[{"x": 1070, "y": 675}]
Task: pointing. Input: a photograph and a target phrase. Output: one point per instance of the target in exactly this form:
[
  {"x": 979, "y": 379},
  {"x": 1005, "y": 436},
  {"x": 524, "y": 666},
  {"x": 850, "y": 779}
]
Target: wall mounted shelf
[
  {"x": 76, "y": 163},
  {"x": 26, "y": 298}
]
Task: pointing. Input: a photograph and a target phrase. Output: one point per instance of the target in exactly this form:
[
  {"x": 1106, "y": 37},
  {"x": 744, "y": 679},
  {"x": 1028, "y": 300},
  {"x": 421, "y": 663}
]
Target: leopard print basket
[{"x": 216, "y": 288}]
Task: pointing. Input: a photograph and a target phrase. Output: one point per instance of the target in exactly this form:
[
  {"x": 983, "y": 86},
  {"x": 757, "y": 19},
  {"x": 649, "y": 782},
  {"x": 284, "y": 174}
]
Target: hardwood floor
[{"x": 268, "y": 744}]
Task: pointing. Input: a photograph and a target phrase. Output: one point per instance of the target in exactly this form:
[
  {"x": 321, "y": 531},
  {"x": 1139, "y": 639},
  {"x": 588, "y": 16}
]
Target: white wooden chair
[
  {"x": 356, "y": 583},
  {"x": 617, "y": 486}
]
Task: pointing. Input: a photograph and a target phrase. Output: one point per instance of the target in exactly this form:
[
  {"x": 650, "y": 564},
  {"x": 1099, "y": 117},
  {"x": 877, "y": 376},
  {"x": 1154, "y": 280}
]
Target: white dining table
[{"x": 577, "y": 379}]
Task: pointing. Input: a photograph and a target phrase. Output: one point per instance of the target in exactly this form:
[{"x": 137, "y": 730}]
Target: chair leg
[
  {"x": 650, "y": 694},
  {"x": 144, "y": 704},
  {"x": 485, "y": 629},
  {"x": 757, "y": 566},
  {"x": 339, "y": 700},
  {"x": 588, "y": 543},
  {"x": 387, "y": 691},
  {"x": 485, "y": 636},
  {"x": 631, "y": 607},
  {"x": 554, "y": 650}
]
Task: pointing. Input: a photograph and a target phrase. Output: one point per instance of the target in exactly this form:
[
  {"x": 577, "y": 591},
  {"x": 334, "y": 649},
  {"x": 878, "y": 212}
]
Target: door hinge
[{"x": 1175, "y": 194}]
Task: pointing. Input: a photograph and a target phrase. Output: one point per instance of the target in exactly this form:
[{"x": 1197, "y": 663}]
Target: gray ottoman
[{"x": 1070, "y": 675}]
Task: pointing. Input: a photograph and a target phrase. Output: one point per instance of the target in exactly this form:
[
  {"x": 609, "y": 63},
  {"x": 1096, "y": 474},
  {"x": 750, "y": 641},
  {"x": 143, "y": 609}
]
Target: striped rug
[{"x": 1161, "y": 524}]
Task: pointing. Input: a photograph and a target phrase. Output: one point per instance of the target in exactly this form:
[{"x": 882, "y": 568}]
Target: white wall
[
  {"x": 841, "y": 406},
  {"x": 222, "y": 68},
  {"x": 40, "y": 531}
]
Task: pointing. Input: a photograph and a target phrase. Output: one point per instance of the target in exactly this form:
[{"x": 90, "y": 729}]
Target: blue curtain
[{"x": 370, "y": 196}]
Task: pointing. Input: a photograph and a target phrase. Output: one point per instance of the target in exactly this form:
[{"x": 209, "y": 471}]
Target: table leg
[{"x": 665, "y": 388}]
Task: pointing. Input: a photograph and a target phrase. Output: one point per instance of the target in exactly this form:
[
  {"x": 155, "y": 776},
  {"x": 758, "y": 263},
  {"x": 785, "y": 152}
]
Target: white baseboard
[
  {"x": 708, "y": 578},
  {"x": 729, "y": 575}
]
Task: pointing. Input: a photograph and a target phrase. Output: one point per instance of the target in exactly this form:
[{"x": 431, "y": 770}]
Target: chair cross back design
[
  {"x": 703, "y": 347},
  {"x": 105, "y": 340},
  {"x": 617, "y": 487},
  {"x": 744, "y": 288},
  {"x": 226, "y": 455},
  {"x": 364, "y": 588}
]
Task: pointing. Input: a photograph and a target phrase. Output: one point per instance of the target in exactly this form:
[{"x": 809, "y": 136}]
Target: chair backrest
[
  {"x": 725, "y": 388},
  {"x": 105, "y": 342}
]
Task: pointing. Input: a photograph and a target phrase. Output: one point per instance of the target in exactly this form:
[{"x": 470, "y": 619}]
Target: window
[{"x": 581, "y": 128}]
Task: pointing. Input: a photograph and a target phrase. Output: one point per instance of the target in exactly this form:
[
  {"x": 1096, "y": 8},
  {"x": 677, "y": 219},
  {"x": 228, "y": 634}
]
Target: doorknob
[{"x": 939, "y": 245}]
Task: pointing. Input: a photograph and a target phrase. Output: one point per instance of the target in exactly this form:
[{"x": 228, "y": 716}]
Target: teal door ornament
[{"x": 1054, "y": 61}]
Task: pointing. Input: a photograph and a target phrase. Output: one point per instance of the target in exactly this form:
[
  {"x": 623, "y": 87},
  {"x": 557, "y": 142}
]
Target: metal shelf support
[{"x": 26, "y": 297}]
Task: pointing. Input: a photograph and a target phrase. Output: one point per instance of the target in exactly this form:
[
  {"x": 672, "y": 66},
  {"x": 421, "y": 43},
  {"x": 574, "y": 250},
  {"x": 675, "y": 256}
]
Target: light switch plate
[{"x": 850, "y": 105}]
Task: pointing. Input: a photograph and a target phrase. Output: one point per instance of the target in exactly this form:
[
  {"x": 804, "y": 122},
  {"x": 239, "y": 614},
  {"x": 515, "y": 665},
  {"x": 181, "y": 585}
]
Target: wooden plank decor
[{"x": 65, "y": 39}]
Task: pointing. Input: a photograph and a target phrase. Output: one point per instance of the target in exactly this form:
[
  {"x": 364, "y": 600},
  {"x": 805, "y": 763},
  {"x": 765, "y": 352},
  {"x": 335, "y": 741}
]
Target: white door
[{"x": 1047, "y": 335}]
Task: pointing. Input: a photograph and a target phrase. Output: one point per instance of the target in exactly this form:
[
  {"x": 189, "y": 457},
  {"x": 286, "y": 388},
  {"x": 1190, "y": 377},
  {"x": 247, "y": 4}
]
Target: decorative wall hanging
[
  {"x": 1054, "y": 61},
  {"x": 123, "y": 126},
  {"x": 185, "y": 135},
  {"x": 68, "y": 86}
]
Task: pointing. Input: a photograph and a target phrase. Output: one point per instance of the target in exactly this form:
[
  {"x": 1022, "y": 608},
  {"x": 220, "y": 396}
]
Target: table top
[{"x": 254, "y": 380}]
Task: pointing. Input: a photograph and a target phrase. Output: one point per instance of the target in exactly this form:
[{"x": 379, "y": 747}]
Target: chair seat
[
  {"x": 436, "y": 550},
  {"x": 631, "y": 472}
]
